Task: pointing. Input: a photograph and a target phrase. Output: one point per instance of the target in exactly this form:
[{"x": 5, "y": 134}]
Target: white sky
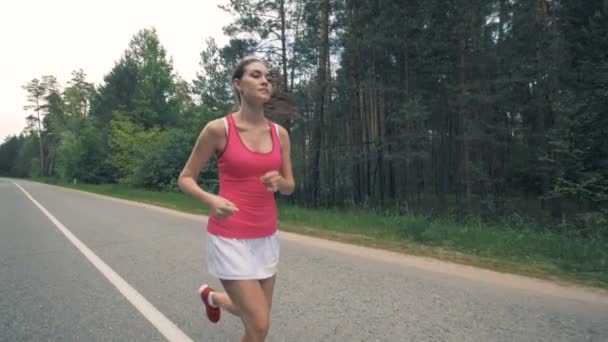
[{"x": 54, "y": 37}]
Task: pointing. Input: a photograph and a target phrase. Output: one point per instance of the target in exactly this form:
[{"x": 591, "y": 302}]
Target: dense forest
[{"x": 492, "y": 109}]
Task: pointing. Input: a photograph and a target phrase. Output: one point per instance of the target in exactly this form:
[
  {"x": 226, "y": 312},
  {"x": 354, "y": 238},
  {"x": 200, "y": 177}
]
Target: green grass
[
  {"x": 528, "y": 250},
  {"x": 172, "y": 200}
]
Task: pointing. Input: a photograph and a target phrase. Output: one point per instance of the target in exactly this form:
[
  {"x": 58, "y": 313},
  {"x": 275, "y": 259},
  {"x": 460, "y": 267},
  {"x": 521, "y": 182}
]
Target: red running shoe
[{"x": 212, "y": 313}]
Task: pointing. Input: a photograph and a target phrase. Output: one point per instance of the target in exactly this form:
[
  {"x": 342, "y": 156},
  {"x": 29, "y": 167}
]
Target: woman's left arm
[
  {"x": 282, "y": 180},
  {"x": 286, "y": 183}
]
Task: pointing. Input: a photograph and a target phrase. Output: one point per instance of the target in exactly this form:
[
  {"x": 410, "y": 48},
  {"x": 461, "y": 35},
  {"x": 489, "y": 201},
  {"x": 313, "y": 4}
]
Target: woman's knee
[{"x": 259, "y": 325}]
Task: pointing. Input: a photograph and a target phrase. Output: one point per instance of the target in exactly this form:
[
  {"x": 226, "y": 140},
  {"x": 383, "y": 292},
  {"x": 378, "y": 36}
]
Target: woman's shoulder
[
  {"x": 282, "y": 131},
  {"x": 216, "y": 127}
]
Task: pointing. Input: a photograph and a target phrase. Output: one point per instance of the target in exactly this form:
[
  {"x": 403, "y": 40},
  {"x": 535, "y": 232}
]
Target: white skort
[{"x": 242, "y": 259}]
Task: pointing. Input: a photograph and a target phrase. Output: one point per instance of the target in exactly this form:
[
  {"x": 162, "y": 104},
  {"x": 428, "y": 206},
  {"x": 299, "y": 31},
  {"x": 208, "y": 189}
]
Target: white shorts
[{"x": 241, "y": 259}]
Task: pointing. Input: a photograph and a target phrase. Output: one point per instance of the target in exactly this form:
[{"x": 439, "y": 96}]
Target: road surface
[{"x": 81, "y": 267}]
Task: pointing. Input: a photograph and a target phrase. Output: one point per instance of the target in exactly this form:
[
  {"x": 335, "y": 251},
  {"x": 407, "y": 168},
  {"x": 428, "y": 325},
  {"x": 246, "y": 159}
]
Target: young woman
[{"x": 253, "y": 163}]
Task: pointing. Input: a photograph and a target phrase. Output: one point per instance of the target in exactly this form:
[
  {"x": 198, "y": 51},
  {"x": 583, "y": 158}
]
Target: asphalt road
[{"x": 82, "y": 267}]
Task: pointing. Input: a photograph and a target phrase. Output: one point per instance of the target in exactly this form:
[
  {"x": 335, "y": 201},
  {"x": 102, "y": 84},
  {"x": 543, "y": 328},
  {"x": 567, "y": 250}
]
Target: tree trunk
[
  {"x": 464, "y": 131},
  {"x": 40, "y": 138},
  {"x": 283, "y": 42},
  {"x": 322, "y": 77}
]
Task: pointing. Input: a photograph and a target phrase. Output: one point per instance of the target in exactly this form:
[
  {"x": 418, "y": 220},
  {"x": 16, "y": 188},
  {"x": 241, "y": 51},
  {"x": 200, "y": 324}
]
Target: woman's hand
[
  {"x": 222, "y": 208},
  {"x": 271, "y": 180}
]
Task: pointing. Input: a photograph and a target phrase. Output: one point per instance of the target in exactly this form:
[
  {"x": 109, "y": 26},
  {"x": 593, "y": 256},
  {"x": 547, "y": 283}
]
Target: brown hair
[{"x": 281, "y": 104}]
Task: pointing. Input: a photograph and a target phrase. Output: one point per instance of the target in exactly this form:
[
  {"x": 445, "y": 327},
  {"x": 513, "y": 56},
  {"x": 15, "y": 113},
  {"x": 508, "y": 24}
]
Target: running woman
[{"x": 253, "y": 163}]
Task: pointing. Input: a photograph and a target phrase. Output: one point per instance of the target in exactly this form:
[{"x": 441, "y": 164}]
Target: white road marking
[{"x": 158, "y": 320}]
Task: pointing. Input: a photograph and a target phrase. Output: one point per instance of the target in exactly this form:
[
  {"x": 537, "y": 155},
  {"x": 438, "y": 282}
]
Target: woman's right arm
[{"x": 207, "y": 143}]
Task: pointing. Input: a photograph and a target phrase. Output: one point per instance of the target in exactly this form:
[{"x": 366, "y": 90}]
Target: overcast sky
[{"x": 54, "y": 37}]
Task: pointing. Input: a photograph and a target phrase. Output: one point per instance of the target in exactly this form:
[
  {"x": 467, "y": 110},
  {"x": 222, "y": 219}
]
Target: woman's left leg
[
  {"x": 268, "y": 287},
  {"x": 222, "y": 299}
]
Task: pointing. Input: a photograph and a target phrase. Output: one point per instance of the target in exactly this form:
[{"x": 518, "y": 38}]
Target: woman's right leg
[
  {"x": 248, "y": 301},
  {"x": 222, "y": 300}
]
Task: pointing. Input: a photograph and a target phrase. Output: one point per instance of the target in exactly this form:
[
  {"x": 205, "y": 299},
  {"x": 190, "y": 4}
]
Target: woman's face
[{"x": 255, "y": 84}]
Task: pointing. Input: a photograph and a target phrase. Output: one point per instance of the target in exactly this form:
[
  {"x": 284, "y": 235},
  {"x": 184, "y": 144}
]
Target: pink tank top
[{"x": 240, "y": 170}]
